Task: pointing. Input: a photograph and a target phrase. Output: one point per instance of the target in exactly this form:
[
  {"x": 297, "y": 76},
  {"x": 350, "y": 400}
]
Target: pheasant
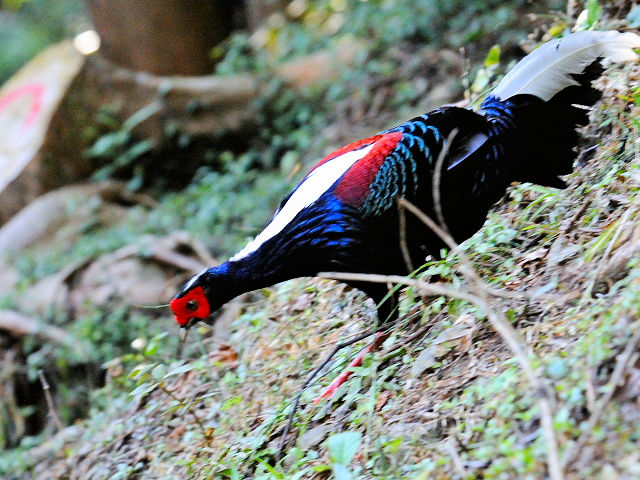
[{"x": 343, "y": 215}]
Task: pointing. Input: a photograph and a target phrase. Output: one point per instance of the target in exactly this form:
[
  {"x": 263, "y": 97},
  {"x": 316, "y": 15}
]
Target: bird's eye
[{"x": 192, "y": 305}]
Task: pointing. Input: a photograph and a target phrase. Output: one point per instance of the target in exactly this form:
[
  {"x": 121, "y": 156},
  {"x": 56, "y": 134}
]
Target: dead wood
[
  {"x": 22, "y": 325},
  {"x": 41, "y": 218}
]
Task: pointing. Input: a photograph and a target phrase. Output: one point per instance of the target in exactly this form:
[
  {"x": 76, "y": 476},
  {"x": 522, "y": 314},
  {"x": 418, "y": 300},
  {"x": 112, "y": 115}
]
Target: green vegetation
[
  {"x": 28, "y": 26},
  {"x": 445, "y": 396}
]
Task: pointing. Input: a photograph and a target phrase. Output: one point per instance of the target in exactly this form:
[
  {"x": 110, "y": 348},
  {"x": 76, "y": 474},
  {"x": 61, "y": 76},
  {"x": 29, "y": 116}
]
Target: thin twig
[
  {"x": 451, "y": 449},
  {"x": 576, "y": 216},
  {"x": 448, "y": 290},
  {"x": 424, "y": 218},
  {"x": 504, "y": 329},
  {"x": 594, "y": 419},
  {"x": 498, "y": 321},
  {"x": 47, "y": 395},
  {"x": 436, "y": 182},
  {"x": 402, "y": 218},
  {"x": 424, "y": 288}
]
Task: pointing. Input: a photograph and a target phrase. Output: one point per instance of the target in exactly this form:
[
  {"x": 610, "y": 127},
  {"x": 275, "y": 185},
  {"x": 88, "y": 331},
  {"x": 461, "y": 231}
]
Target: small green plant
[
  {"x": 483, "y": 82},
  {"x": 342, "y": 448},
  {"x": 157, "y": 376},
  {"x": 118, "y": 149}
]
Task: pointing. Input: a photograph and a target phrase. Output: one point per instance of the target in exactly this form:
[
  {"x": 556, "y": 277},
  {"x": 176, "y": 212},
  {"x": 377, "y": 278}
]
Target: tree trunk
[{"x": 163, "y": 37}]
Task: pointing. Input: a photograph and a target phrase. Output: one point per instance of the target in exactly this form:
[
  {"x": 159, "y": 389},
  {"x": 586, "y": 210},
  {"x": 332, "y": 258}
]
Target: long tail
[{"x": 544, "y": 96}]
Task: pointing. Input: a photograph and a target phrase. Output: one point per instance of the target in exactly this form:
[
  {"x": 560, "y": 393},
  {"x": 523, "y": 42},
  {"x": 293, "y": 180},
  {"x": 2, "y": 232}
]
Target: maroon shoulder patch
[
  {"x": 347, "y": 148},
  {"x": 353, "y": 189}
]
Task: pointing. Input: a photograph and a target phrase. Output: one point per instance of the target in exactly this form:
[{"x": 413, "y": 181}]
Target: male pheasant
[{"x": 343, "y": 217}]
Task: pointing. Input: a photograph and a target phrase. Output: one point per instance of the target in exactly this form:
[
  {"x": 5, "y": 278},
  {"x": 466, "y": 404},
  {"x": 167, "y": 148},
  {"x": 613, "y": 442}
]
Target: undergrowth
[{"x": 444, "y": 398}]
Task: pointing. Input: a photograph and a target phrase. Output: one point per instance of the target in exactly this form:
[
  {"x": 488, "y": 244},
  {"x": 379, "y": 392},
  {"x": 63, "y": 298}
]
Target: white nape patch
[
  {"x": 311, "y": 188},
  {"x": 193, "y": 280}
]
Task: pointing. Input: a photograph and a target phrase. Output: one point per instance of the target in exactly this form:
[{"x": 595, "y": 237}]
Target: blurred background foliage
[
  {"x": 28, "y": 26},
  {"x": 304, "y": 26}
]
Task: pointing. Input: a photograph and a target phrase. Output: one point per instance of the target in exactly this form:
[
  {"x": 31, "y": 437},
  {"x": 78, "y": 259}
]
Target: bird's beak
[{"x": 190, "y": 323}]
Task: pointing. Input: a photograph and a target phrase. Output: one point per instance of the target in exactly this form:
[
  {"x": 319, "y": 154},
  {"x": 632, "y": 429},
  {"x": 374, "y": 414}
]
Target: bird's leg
[
  {"x": 340, "y": 379},
  {"x": 308, "y": 380},
  {"x": 387, "y": 313},
  {"x": 387, "y": 310}
]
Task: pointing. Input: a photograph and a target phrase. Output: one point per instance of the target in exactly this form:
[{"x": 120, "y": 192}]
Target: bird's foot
[{"x": 330, "y": 391}]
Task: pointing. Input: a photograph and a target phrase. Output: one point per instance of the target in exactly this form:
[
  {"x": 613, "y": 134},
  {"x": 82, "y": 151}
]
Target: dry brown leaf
[
  {"x": 225, "y": 355},
  {"x": 383, "y": 398},
  {"x": 443, "y": 343}
]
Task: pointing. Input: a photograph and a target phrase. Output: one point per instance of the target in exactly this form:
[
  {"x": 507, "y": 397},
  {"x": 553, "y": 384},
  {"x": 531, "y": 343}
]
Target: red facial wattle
[{"x": 192, "y": 305}]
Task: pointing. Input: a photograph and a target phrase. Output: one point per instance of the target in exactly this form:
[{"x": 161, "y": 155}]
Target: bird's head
[
  {"x": 192, "y": 303},
  {"x": 190, "y": 307},
  {"x": 206, "y": 292}
]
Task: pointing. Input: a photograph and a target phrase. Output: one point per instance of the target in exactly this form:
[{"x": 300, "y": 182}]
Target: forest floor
[{"x": 526, "y": 364}]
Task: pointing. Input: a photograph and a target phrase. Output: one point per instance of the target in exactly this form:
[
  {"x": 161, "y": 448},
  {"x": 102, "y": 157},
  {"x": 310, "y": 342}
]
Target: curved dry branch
[{"x": 22, "y": 325}]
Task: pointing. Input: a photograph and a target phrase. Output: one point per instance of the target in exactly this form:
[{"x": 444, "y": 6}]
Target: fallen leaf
[
  {"x": 225, "y": 355},
  {"x": 383, "y": 398},
  {"x": 533, "y": 256},
  {"x": 443, "y": 343}
]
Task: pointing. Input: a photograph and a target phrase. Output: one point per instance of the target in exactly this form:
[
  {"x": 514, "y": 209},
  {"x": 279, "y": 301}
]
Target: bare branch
[
  {"x": 576, "y": 216},
  {"x": 22, "y": 325},
  {"x": 47, "y": 395},
  {"x": 501, "y": 325},
  {"x": 402, "y": 218},
  {"x": 424, "y": 218},
  {"x": 437, "y": 181}
]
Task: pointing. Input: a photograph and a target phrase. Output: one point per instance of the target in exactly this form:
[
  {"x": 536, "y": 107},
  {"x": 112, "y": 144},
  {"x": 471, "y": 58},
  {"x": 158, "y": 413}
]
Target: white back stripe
[{"x": 311, "y": 188}]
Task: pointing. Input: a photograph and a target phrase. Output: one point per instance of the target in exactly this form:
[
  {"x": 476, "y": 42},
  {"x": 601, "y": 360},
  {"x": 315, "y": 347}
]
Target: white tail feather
[{"x": 548, "y": 69}]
